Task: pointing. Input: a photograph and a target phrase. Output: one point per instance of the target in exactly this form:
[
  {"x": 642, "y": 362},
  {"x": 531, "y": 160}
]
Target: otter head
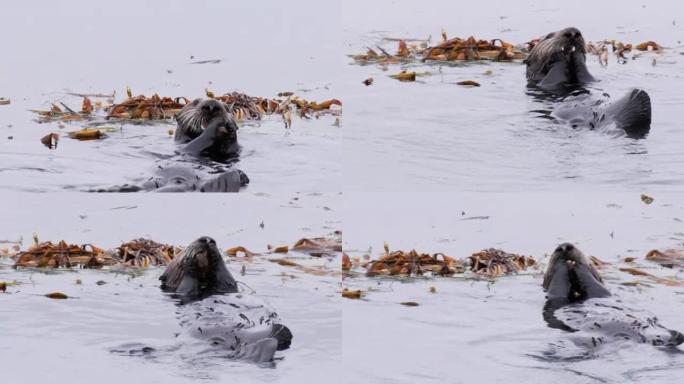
[
  {"x": 209, "y": 130},
  {"x": 569, "y": 40},
  {"x": 559, "y": 60},
  {"x": 196, "y": 116},
  {"x": 199, "y": 271},
  {"x": 202, "y": 259},
  {"x": 570, "y": 276}
]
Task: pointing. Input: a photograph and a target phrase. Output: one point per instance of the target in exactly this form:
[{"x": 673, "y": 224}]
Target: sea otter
[
  {"x": 206, "y": 134},
  {"x": 557, "y": 65},
  {"x": 579, "y": 302},
  {"x": 215, "y": 317}
]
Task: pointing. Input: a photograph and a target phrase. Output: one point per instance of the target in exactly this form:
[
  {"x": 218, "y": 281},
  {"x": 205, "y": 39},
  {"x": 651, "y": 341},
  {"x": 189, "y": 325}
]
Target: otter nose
[
  {"x": 565, "y": 248},
  {"x": 207, "y": 240}
]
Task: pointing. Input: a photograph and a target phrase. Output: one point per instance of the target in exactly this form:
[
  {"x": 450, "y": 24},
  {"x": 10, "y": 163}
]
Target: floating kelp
[
  {"x": 245, "y": 107},
  {"x": 653, "y": 278},
  {"x": 405, "y": 76},
  {"x": 495, "y": 262},
  {"x": 62, "y": 254},
  {"x": 668, "y": 258},
  {"x": 87, "y": 134},
  {"x": 142, "y": 108},
  {"x": 649, "y": 46},
  {"x": 65, "y": 113},
  {"x": 320, "y": 246},
  {"x": 468, "y": 83},
  {"x": 473, "y": 49},
  {"x": 490, "y": 263},
  {"x": 50, "y": 140},
  {"x": 346, "y": 263},
  {"x": 236, "y": 251},
  {"x": 456, "y": 49},
  {"x": 647, "y": 199},
  {"x": 135, "y": 253},
  {"x": 145, "y": 252},
  {"x": 412, "y": 263},
  {"x": 352, "y": 294},
  {"x": 147, "y": 108},
  {"x": 56, "y": 296}
]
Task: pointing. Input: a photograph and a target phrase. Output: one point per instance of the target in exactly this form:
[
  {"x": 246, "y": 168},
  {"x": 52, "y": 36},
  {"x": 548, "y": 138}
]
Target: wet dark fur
[
  {"x": 566, "y": 46},
  {"x": 198, "y": 272},
  {"x": 194, "y": 120}
]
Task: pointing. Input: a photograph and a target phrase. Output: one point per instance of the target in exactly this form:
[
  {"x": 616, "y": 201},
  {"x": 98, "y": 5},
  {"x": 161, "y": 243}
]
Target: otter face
[
  {"x": 196, "y": 116},
  {"x": 559, "y": 60},
  {"x": 570, "y": 276},
  {"x": 570, "y": 40},
  {"x": 211, "y": 109},
  {"x": 204, "y": 255}
]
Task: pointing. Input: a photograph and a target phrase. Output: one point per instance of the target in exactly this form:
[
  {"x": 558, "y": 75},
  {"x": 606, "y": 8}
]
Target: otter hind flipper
[
  {"x": 283, "y": 335},
  {"x": 633, "y": 113}
]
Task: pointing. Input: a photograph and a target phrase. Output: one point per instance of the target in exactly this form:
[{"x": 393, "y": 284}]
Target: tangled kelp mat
[
  {"x": 455, "y": 49},
  {"x": 135, "y": 253},
  {"x": 473, "y": 49},
  {"x": 143, "y": 109},
  {"x": 491, "y": 263},
  {"x": 304, "y": 255}
]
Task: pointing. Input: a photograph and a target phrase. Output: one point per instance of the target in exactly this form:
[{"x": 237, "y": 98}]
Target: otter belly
[{"x": 235, "y": 326}]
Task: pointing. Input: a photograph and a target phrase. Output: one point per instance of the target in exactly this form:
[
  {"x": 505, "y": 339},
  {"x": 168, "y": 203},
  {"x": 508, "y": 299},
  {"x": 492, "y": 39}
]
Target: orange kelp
[
  {"x": 145, "y": 252},
  {"x": 136, "y": 253},
  {"x": 155, "y": 107},
  {"x": 456, "y": 49},
  {"x": 148, "y": 108},
  {"x": 495, "y": 262},
  {"x": 490, "y": 262},
  {"x": 412, "y": 263},
  {"x": 62, "y": 254}
]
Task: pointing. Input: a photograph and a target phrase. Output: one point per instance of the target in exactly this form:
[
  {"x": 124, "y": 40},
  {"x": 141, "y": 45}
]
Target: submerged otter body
[
  {"x": 557, "y": 66},
  {"x": 215, "y": 318},
  {"x": 578, "y": 302}
]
